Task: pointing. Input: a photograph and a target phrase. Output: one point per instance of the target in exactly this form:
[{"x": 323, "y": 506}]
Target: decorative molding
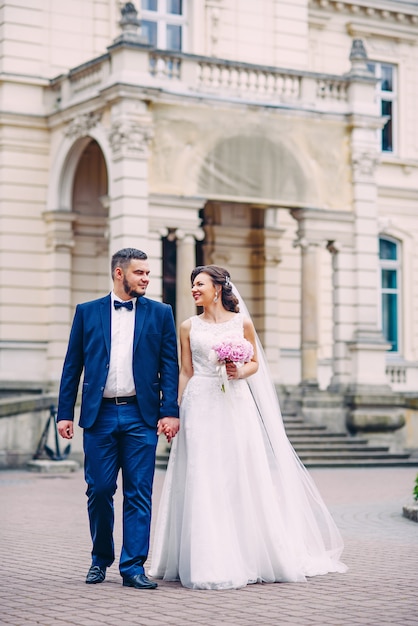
[
  {"x": 361, "y": 8},
  {"x": 130, "y": 136},
  {"x": 365, "y": 162},
  {"x": 80, "y": 125},
  {"x": 59, "y": 234},
  {"x": 398, "y": 193},
  {"x": 368, "y": 28}
]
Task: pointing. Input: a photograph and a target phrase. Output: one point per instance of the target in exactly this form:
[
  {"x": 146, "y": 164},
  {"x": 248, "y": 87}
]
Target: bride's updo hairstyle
[{"x": 219, "y": 276}]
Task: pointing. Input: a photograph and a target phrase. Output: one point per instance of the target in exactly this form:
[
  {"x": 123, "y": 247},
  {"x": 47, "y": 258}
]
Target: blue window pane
[
  {"x": 149, "y": 5},
  {"x": 388, "y": 250},
  {"x": 387, "y": 140},
  {"x": 149, "y": 31},
  {"x": 175, "y": 7},
  {"x": 173, "y": 37},
  {"x": 387, "y": 78},
  {"x": 389, "y": 279},
  {"x": 390, "y": 319}
]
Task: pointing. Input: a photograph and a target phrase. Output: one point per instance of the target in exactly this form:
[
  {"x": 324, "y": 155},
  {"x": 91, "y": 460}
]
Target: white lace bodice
[{"x": 203, "y": 336}]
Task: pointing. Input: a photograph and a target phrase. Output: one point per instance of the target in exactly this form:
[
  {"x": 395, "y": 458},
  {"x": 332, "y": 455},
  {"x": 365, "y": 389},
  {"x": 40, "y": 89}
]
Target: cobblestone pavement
[{"x": 45, "y": 554}]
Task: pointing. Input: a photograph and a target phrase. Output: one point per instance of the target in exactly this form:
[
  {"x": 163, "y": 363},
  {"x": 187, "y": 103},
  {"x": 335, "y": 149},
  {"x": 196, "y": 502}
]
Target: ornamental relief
[
  {"x": 82, "y": 124},
  {"x": 128, "y": 135},
  {"x": 365, "y": 163}
]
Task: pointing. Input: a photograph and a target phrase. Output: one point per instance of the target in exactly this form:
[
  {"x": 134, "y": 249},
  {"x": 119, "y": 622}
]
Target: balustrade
[{"x": 216, "y": 77}]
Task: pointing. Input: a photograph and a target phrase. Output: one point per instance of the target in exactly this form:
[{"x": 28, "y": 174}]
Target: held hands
[{"x": 169, "y": 426}]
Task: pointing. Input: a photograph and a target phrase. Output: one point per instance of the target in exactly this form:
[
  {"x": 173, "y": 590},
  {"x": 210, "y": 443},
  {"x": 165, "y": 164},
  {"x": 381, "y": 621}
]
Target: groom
[{"x": 126, "y": 345}]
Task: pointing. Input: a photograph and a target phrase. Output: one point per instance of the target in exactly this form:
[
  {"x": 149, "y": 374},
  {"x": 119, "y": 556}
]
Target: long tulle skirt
[{"x": 230, "y": 513}]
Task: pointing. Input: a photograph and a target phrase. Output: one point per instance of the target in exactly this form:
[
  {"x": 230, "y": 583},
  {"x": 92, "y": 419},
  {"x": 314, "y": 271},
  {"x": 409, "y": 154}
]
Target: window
[
  {"x": 386, "y": 93},
  {"x": 389, "y": 287},
  {"x": 163, "y": 23}
]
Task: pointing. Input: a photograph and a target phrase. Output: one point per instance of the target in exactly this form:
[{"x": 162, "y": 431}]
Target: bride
[{"x": 238, "y": 506}]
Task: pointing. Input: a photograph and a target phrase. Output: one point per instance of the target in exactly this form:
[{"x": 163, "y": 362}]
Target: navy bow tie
[{"x": 127, "y": 305}]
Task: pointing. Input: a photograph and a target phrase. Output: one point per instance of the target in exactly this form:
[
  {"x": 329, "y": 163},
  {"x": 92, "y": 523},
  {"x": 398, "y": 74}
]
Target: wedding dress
[{"x": 237, "y": 505}]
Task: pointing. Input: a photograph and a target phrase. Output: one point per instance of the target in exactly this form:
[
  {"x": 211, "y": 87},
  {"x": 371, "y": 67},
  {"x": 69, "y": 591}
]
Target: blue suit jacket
[{"x": 155, "y": 362}]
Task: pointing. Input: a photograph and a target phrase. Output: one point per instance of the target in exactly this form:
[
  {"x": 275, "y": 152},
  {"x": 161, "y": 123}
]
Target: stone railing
[
  {"x": 259, "y": 82},
  {"x": 207, "y": 76},
  {"x": 228, "y": 79},
  {"x": 402, "y": 376}
]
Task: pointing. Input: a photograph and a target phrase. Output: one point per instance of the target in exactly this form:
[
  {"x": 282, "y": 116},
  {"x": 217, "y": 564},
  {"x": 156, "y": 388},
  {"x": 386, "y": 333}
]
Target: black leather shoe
[
  {"x": 139, "y": 581},
  {"x": 96, "y": 574}
]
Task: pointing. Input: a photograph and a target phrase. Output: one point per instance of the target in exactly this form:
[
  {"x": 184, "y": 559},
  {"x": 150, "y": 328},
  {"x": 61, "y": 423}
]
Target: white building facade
[{"x": 278, "y": 138}]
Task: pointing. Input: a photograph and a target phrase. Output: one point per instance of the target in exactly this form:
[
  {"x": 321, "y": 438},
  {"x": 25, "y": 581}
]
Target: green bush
[{"x": 415, "y": 491}]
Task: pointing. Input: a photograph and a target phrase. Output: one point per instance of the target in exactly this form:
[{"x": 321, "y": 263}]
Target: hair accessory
[{"x": 227, "y": 281}]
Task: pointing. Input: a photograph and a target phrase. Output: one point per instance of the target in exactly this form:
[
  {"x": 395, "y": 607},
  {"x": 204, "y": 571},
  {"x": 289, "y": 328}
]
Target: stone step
[
  {"x": 388, "y": 462},
  {"x": 349, "y": 460},
  {"x": 328, "y": 438},
  {"x": 321, "y": 447},
  {"x": 313, "y": 428},
  {"x": 307, "y": 430},
  {"x": 354, "y": 455},
  {"x": 316, "y": 446}
]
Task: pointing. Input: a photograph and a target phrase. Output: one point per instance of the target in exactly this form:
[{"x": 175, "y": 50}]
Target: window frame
[
  {"x": 163, "y": 19},
  {"x": 394, "y": 265},
  {"x": 387, "y": 96}
]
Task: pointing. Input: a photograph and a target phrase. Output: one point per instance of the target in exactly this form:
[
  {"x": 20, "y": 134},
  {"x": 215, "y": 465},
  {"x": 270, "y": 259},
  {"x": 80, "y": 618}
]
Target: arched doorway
[{"x": 90, "y": 257}]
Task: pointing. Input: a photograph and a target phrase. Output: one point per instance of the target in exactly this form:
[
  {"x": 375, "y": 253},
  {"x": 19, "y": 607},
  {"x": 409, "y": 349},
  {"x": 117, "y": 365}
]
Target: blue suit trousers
[{"x": 120, "y": 440}]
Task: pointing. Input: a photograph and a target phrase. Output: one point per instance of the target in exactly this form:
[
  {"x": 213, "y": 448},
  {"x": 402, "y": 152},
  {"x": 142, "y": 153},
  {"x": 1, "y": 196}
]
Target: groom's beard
[{"x": 133, "y": 292}]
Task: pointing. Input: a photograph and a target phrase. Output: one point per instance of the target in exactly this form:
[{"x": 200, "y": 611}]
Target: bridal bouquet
[{"x": 233, "y": 350}]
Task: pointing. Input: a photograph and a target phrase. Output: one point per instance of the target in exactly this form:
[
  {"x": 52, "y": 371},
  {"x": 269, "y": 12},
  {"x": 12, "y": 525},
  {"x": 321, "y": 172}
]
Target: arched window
[{"x": 389, "y": 255}]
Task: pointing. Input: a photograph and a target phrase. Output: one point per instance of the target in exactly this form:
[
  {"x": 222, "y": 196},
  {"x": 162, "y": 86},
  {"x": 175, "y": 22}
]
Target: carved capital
[
  {"x": 197, "y": 234},
  {"x": 334, "y": 246},
  {"x": 130, "y": 137},
  {"x": 365, "y": 163},
  {"x": 301, "y": 242}
]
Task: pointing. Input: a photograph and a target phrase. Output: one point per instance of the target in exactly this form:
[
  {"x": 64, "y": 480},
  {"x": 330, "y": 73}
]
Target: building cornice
[
  {"x": 395, "y": 14},
  {"x": 399, "y": 193}
]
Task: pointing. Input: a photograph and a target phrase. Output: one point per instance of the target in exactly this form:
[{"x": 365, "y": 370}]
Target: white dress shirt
[{"x": 120, "y": 379}]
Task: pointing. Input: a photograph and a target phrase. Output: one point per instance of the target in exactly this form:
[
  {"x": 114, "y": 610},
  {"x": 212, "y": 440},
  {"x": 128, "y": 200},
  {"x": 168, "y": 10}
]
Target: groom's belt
[{"x": 121, "y": 400}]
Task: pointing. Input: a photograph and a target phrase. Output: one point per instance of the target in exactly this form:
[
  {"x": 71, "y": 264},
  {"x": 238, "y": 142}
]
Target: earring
[{"x": 216, "y": 297}]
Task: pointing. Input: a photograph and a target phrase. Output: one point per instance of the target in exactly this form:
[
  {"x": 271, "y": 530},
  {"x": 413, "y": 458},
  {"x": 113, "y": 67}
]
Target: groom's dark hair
[{"x": 123, "y": 257}]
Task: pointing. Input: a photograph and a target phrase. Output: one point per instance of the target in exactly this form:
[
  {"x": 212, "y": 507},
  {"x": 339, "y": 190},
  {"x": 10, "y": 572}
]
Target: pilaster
[
  {"x": 60, "y": 243},
  {"x": 129, "y": 137},
  {"x": 367, "y": 345}
]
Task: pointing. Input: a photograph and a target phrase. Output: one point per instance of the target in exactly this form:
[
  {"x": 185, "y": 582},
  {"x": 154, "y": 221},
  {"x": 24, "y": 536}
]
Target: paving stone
[{"x": 45, "y": 554}]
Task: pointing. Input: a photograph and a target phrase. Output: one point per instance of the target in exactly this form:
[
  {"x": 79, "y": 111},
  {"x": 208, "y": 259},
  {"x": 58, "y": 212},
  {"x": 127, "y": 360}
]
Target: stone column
[
  {"x": 60, "y": 242},
  {"x": 272, "y": 258},
  {"x": 186, "y": 262},
  {"x": 315, "y": 228},
  {"x": 309, "y": 312},
  {"x": 343, "y": 313}
]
